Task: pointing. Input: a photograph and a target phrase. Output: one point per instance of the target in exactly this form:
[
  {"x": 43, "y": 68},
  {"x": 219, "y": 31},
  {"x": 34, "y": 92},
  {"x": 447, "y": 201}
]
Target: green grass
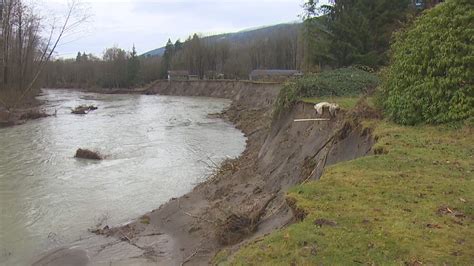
[
  {"x": 387, "y": 207},
  {"x": 347, "y": 82}
]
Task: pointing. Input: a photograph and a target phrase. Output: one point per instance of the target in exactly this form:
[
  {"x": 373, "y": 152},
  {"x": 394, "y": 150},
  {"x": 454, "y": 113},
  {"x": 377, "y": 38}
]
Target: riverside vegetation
[
  {"x": 411, "y": 202},
  {"x": 431, "y": 79}
]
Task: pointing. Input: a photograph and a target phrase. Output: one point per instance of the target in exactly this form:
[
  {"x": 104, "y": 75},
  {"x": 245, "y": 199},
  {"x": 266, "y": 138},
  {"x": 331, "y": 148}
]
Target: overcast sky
[{"x": 149, "y": 23}]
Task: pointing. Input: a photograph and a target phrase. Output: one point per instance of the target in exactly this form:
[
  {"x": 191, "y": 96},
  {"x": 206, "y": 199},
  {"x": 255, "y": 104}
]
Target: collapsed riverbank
[
  {"x": 244, "y": 198},
  {"x": 29, "y": 110}
]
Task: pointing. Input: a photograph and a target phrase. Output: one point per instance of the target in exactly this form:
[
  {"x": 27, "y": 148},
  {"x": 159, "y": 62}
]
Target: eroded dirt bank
[
  {"x": 29, "y": 110},
  {"x": 245, "y": 198}
]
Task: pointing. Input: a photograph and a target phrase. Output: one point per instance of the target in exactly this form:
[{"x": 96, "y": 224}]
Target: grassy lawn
[{"x": 411, "y": 204}]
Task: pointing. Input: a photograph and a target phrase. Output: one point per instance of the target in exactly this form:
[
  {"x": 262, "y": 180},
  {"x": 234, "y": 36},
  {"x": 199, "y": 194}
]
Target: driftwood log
[{"x": 83, "y": 109}]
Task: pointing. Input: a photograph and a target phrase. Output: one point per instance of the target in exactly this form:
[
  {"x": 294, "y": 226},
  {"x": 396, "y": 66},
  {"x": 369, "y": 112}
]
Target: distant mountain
[
  {"x": 242, "y": 37},
  {"x": 155, "y": 52}
]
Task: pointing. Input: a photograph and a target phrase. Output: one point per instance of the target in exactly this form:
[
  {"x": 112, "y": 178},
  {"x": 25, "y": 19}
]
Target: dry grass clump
[
  {"x": 237, "y": 226},
  {"x": 33, "y": 115}
]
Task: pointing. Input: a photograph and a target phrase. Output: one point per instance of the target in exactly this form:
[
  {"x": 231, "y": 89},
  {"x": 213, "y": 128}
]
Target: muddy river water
[{"x": 156, "y": 148}]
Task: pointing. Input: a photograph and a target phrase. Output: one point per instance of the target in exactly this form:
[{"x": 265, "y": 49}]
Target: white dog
[{"x": 333, "y": 108}]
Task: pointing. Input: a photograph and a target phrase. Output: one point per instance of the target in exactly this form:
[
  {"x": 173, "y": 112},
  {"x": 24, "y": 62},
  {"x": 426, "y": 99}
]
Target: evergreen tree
[
  {"x": 133, "y": 66},
  {"x": 78, "y": 57},
  {"x": 178, "y": 46},
  {"x": 85, "y": 57},
  {"x": 356, "y": 31},
  {"x": 167, "y": 58}
]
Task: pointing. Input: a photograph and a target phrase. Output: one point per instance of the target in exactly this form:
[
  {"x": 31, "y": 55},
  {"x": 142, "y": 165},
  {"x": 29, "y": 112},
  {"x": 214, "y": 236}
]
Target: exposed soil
[
  {"x": 30, "y": 109},
  {"x": 245, "y": 199},
  {"x": 20, "y": 115}
]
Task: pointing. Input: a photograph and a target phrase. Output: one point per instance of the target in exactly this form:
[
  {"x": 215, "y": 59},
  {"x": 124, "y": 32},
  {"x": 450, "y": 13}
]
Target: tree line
[
  {"x": 24, "y": 51},
  {"x": 201, "y": 56},
  {"x": 350, "y": 32},
  {"x": 233, "y": 60},
  {"x": 344, "y": 33},
  {"x": 117, "y": 68}
]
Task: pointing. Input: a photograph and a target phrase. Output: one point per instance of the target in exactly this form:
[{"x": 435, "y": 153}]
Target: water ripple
[{"x": 153, "y": 146}]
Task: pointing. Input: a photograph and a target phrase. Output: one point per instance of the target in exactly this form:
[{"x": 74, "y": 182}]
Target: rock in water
[{"x": 88, "y": 154}]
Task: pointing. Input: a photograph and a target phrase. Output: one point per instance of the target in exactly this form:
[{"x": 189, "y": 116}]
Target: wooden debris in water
[{"x": 83, "y": 109}]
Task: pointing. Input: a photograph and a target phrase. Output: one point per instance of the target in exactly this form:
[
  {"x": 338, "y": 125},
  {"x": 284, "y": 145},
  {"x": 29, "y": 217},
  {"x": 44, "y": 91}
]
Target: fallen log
[{"x": 83, "y": 109}]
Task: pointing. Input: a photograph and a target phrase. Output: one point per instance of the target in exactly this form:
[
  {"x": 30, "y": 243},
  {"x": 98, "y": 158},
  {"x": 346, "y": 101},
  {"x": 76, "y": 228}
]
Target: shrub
[
  {"x": 339, "y": 82},
  {"x": 431, "y": 76}
]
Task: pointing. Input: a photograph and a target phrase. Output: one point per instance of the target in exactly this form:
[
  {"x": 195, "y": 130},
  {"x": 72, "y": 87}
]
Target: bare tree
[{"x": 24, "y": 51}]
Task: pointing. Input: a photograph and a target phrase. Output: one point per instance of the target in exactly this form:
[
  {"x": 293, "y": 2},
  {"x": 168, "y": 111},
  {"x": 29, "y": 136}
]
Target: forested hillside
[
  {"x": 235, "y": 55},
  {"x": 241, "y": 37},
  {"x": 229, "y": 56}
]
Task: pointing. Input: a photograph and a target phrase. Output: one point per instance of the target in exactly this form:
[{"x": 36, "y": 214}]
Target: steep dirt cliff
[
  {"x": 244, "y": 93},
  {"x": 245, "y": 198}
]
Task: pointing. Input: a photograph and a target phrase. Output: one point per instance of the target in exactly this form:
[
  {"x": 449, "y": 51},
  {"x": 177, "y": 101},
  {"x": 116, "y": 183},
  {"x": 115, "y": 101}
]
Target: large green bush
[
  {"x": 431, "y": 76},
  {"x": 340, "y": 82}
]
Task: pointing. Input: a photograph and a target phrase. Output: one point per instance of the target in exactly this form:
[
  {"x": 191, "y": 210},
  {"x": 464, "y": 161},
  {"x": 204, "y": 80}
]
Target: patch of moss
[{"x": 412, "y": 204}]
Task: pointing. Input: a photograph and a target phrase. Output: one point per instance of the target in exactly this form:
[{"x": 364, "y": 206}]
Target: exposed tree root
[{"x": 237, "y": 227}]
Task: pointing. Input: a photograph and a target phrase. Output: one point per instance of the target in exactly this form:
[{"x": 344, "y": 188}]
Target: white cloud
[{"x": 149, "y": 23}]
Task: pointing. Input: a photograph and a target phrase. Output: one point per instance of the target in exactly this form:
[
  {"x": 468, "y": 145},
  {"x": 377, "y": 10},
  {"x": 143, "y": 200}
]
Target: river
[{"x": 156, "y": 148}]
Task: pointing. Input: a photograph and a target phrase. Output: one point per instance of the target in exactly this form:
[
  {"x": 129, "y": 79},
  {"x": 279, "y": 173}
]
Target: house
[
  {"x": 178, "y": 75},
  {"x": 275, "y": 75}
]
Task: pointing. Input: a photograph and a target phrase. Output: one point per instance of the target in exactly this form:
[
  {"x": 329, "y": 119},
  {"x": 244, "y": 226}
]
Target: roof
[
  {"x": 178, "y": 72},
  {"x": 273, "y": 72}
]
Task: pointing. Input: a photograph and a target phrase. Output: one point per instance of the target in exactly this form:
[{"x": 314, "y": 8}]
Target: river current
[{"x": 155, "y": 147}]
